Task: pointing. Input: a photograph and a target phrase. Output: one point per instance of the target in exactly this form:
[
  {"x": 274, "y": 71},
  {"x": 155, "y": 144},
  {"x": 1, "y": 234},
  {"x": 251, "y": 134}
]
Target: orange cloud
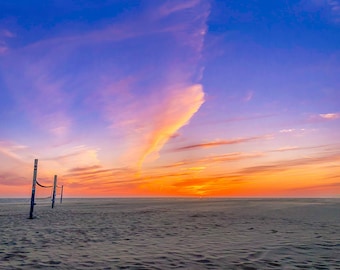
[
  {"x": 219, "y": 143},
  {"x": 11, "y": 179},
  {"x": 84, "y": 169},
  {"x": 194, "y": 178},
  {"x": 295, "y": 148},
  {"x": 177, "y": 110},
  {"x": 96, "y": 181},
  {"x": 286, "y": 148},
  {"x": 285, "y": 165},
  {"x": 334, "y": 185},
  {"x": 206, "y": 161}
]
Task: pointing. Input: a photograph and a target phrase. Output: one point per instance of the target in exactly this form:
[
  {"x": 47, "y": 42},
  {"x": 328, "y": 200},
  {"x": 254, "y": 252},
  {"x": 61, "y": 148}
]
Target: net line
[
  {"x": 58, "y": 190},
  {"x": 43, "y": 195},
  {"x": 43, "y": 186}
]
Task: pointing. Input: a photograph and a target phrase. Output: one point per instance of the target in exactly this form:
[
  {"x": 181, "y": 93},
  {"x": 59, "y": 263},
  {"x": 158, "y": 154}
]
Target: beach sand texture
[{"x": 171, "y": 234}]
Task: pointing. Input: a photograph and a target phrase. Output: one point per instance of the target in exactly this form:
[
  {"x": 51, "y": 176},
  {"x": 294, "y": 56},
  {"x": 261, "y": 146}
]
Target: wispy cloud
[
  {"x": 44, "y": 100},
  {"x": 286, "y": 148},
  {"x": 298, "y": 132},
  {"x": 5, "y": 34},
  {"x": 11, "y": 179},
  {"x": 217, "y": 143},
  {"x": 330, "y": 116},
  {"x": 335, "y": 9},
  {"x": 3, "y": 48},
  {"x": 330, "y": 8},
  {"x": 207, "y": 161},
  {"x": 334, "y": 185},
  {"x": 289, "y": 130},
  {"x": 10, "y": 149},
  {"x": 249, "y": 96},
  {"x": 296, "y": 148},
  {"x": 111, "y": 181},
  {"x": 240, "y": 118},
  {"x": 176, "y": 112},
  {"x": 293, "y": 163},
  {"x": 295, "y": 131},
  {"x": 79, "y": 156},
  {"x": 175, "y": 6},
  {"x": 84, "y": 169},
  {"x": 324, "y": 117}
]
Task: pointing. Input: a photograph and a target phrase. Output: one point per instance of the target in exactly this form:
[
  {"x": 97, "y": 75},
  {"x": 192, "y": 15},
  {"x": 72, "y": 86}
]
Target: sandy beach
[{"x": 171, "y": 234}]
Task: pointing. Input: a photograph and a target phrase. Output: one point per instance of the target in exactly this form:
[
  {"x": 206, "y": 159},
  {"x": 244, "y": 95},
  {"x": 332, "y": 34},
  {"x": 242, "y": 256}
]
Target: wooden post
[
  {"x": 61, "y": 194},
  {"x": 35, "y": 171},
  {"x": 54, "y": 190}
]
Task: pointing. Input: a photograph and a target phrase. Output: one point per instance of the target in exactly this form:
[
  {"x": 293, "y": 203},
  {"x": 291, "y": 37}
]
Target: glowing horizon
[{"x": 195, "y": 98}]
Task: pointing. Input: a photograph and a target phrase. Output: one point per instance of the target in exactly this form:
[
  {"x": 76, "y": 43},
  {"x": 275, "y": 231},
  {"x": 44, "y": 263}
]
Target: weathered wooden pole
[
  {"x": 54, "y": 190},
  {"x": 61, "y": 194},
  {"x": 35, "y": 171}
]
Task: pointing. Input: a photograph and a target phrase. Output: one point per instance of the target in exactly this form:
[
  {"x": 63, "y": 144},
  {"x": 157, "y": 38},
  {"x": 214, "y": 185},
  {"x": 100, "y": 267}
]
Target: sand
[{"x": 171, "y": 234}]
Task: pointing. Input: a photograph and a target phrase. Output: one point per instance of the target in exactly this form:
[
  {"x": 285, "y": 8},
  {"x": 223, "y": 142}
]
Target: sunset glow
[{"x": 171, "y": 98}]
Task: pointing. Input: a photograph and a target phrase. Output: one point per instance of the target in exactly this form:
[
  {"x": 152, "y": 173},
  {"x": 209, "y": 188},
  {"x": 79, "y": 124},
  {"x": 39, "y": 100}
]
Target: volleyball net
[{"x": 42, "y": 193}]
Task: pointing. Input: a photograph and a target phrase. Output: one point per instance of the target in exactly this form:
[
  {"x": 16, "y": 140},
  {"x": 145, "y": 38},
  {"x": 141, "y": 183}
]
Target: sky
[{"x": 171, "y": 97}]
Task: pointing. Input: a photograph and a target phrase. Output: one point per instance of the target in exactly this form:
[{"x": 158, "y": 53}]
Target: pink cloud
[
  {"x": 7, "y": 33},
  {"x": 77, "y": 156},
  {"x": 3, "y": 49},
  {"x": 330, "y": 116},
  {"x": 207, "y": 161},
  {"x": 10, "y": 150},
  {"x": 44, "y": 99},
  {"x": 248, "y": 96},
  {"x": 12, "y": 179},
  {"x": 217, "y": 143},
  {"x": 148, "y": 21},
  {"x": 324, "y": 117},
  {"x": 4, "y": 35},
  {"x": 174, "y": 112}
]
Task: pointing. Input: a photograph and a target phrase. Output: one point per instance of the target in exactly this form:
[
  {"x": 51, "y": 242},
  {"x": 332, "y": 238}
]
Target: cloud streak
[
  {"x": 176, "y": 112},
  {"x": 220, "y": 143},
  {"x": 10, "y": 179},
  {"x": 293, "y": 163},
  {"x": 10, "y": 150},
  {"x": 330, "y": 116}
]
